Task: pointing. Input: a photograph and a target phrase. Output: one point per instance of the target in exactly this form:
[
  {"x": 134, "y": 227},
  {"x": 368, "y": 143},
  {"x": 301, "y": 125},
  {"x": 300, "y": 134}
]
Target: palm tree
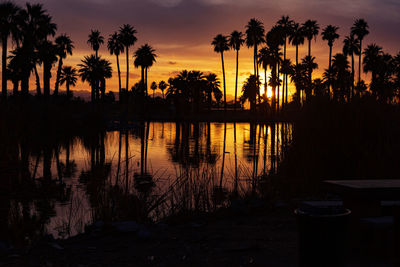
[
  {"x": 162, "y": 85},
  {"x": 116, "y": 47},
  {"x": 153, "y": 87},
  {"x": 95, "y": 41},
  {"x": 249, "y": 91},
  {"x": 311, "y": 29},
  {"x": 360, "y": 29},
  {"x": 68, "y": 76},
  {"x": 236, "y": 41},
  {"x": 265, "y": 60},
  {"x": 254, "y": 37},
  {"x": 128, "y": 39},
  {"x": 48, "y": 56},
  {"x": 212, "y": 87},
  {"x": 144, "y": 57},
  {"x": 330, "y": 34},
  {"x": 220, "y": 44},
  {"x": 342, "y": 76},
  {"x": 309, "y": 63},
  {"x": 64, "y": 46},
  {"x": 8, "y": 15},
  {"x": 296, "y": 38},
  {"x": 95, "y": 70},
  {"x": 286, "y": 24},
  {"x": 350, "y": 48},
  {"x": 34, "y": 25},
  {"x": 372, "y": 55}
]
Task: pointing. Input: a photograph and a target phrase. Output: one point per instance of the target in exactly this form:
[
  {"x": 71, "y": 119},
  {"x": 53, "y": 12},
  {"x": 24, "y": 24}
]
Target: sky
[{"x": 181, "y": 31}]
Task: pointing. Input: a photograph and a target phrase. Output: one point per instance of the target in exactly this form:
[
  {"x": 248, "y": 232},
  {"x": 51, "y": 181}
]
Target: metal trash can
[{"x": 322, "y": 236}]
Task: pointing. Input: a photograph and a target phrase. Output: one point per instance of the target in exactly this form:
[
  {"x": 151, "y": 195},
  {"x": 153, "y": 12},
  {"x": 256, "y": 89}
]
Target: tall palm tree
[
  {"x": 330, "y": 34},
  {"x": 311, "y": 30},
  {"x": 128, "y": 39},
  {"x": 351, "y": 47},
  {"x": 145, "y": 57},
  {"x": 95, "y": 41},
  {"x": 162, "y": 85},
  {"x": 255, "y": 37},
  {"x": 35, "y": 25},
  {"x": 372, "y": 55},
  {"x": 309, "y": 63},
  {"x": 64, "y": 46},
  {"x": 68, "y": 76},
  {"x": 296, "y": 38},
  {"x": 265, "y": 60},
  {"x": 8, "y": 16},
  {"x": 48, "y": 56},
  {"x": 220, "y": 44},
  {"x": 153, "y": 87},
  {"x": 116, "y": 47},
  {"x": 360, "y": 29},
  {"x": 286, "y": 25},
  {"x": 236, "y": 41},
  {"x": 88, "y": 71}
]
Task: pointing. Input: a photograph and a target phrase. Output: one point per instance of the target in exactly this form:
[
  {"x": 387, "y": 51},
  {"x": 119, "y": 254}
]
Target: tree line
[{"x": 338, "y": 81}]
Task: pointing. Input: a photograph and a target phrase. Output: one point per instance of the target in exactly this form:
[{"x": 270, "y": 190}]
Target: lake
[{"x": 145, "y": 173}]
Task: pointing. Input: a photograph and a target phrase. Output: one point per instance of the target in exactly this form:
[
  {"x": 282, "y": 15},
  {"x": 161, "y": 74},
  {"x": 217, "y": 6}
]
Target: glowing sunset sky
[{"x": 181, "y": 30}]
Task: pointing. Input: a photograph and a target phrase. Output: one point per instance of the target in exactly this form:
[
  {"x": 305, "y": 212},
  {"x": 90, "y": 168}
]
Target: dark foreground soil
[{"x": 259, "y": 238}]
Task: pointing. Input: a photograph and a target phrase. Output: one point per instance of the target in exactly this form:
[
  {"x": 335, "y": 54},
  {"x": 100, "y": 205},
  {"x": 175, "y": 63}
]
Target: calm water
[{"x": 147, "y": 172}]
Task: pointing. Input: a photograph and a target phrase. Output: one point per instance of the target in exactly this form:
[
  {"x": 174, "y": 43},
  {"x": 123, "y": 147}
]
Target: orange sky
[{"x": 181, "y": 30}]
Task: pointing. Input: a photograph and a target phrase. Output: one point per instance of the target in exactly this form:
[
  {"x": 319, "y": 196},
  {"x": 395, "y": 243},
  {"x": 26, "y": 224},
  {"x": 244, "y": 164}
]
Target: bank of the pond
[{"x": 249, "y": 237}]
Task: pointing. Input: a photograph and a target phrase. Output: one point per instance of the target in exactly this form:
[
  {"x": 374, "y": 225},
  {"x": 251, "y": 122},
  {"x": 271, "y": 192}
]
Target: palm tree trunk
[
  {"x": 127, "y": 68},
  {"x": 142, "y": 81},
  {"x": 60, "y": 63},
  {"x": 277, "y": 93},
  {"x": 297, "y": 55},
  {"x": 126, "y": 161},
  {"x": 145, "y": 73},
  {"x": 119, "y": 157},
  {"x": 119, "y": 80},
  {"x": 359, "y": 62},
  {"x": 330, "y": 66},
  {"x": 15, "y": 87},
  {"x": 38, "y": 89},
  {"x": 67, "y": 86},
  {"x": 236, "y": 80},
  {"x": 46, "y": 78},
  {"x": 352, "y": 75},
  {"x": 4, "y": 68},
  {"x": 223, "y": 75},
  {"x": 284, "y": 75},
  {"x": 309, "y": 47}
]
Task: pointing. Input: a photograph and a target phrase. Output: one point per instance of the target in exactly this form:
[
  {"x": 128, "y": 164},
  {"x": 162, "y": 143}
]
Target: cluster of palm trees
[
  {"x": 31, "y": 28},
  {"x": 338, "y": 80},
  {"x": 190, "y": 90}
]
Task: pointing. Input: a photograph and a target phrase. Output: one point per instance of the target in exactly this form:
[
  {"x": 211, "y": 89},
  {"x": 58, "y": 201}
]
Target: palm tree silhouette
[
  {"x": 311, "y": 29},
  {"x": 372, "y": 55},
  {"x": 350, "y": 48},
  {"x": 309, "y": 63},
  {"x": 48, "y": 56},
  {"x": 68, "y": 76},
  {"x": 360, "y": 29},
  {"x": 8, "y": 26},
  {"x": 255, "y": 37},
  {"x": 162, "y": 85},
  {"x": 296, "y": 38},
  {"x": 116, "y": 47},
  {"x": 330, "y": 34},
  {"x": 64, "y": 46},
  {"x": 95, "y": 41},
  {"x": 212, "y": 87},
  {"x": 249, "y": 91},
  {"x": 265, "y": 60},
  {"x": 128, "y": 39},
  {"x": 95, "y": 70},
  {"x": 236, "y": 41},
  {"x": 342, "y": 76},
  {"x": 144, "y": 57},
  {"x": 220, "y": 44},
  {"x": 153, "y": 87},
  {"x": 286, "y": 24}
]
